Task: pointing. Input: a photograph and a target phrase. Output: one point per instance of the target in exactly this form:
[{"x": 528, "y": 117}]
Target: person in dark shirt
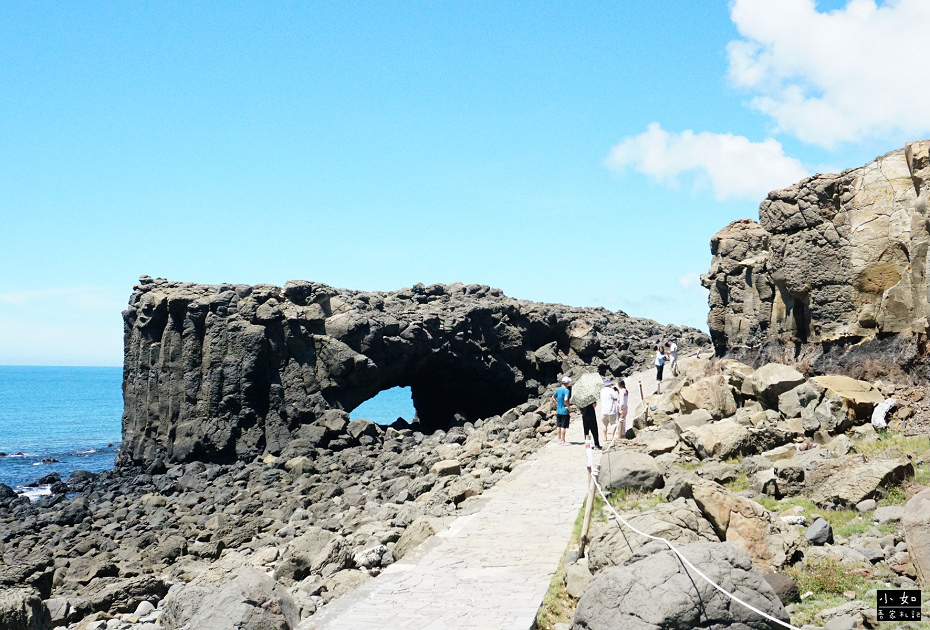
[{"x": 589, "y": 419}]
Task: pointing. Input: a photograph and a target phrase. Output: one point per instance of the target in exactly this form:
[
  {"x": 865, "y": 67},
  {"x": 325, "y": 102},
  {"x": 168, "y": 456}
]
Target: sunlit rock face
[
  {"x": 226, "y": 372},
  {"x": 835, "y": 269}
]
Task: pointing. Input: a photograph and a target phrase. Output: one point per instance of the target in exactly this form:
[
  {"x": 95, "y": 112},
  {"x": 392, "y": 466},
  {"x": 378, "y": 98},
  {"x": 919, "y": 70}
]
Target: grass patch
[
  {"x": 827, "y": 579},
  {"x": 891, "y": 439},
  {"x": 629, "y": 500},
  {"x": 741, "y": 483},
  {"x": 894, "y": 496}
]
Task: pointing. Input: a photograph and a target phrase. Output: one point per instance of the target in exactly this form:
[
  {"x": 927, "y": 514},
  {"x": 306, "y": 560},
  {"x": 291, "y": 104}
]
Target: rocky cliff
[
  {"x": 835, "y": 270},
  {"x": 225, "y": 372}
]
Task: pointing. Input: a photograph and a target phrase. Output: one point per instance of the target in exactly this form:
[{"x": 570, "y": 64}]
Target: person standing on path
[
  {"x": 562, "y": 397},
  {"x": 672, "y": 357},
  {"x": 608, "y": 406},
  {"x": 659, "y": 362},
  {"x": 589, "y": 419},
  {"x": 624, "y": 406}
]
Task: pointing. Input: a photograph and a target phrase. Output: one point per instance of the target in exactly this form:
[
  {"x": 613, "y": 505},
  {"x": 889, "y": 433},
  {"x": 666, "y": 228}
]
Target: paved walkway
[{"x": 488, "y": 570}]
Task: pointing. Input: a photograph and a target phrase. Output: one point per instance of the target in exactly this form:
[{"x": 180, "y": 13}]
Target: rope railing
[{"x": 684, "y": 560}]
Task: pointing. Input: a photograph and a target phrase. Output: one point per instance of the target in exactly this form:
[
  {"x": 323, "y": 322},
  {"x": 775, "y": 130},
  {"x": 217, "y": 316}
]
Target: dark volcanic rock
[
  {"x": 660, "y": 592},
  {"x": 227, "y": 372},
  {"x": 835, "y": 269}
]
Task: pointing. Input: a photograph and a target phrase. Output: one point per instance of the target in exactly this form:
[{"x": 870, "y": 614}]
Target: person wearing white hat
[{"x": 562, "y": 397}]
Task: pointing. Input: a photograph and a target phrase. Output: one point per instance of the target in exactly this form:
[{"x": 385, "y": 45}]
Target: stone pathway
[{"x": 489, "y": 569}]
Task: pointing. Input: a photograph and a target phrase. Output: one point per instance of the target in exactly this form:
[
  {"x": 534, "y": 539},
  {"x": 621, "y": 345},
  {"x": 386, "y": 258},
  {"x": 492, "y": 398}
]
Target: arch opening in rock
[{"x": 387, "y": 406}]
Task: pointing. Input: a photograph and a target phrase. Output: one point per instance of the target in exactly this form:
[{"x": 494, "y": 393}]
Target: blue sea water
[
  {"x": 72, "y": 414},
  {"x": 387, "y": 406}
]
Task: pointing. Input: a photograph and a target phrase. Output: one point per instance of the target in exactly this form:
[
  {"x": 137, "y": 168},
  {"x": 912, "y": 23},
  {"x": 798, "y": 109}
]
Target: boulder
[
  {"x": 417, "y": 532},
  {"x": 361, "y": 426},
  {"x": 680, "y": 521},
  {"x": 819, "y": 532},
  {"x": 786, "y": 588},
  {"x": 916, "y": 524},
  {"x": 246, "y": 599},
  {"x": 657, "y": 440},
  {"x": 722, "y": 440},
  {"x": 697, "y": 418},
  {"x": 849, "y": 486},
  {"x": 21, "y": 608},
  {"x": 446, "y": 467},
  {"x": 711, "y": 393},
  {"x": 772, "y": 380},
  {"x": 577, "y": 579},
  {"x": 121, "y": 595},
  {"x": 660, "y": 592},
  {"x": 888, "y": 513},
  {"x": 342, "y": 582},
  {"x": 858, "y": 397},
  {"x": 793, "y": 401},
  {"x": 75, "y": 511},
  {"x": 308, "y": 553},
  {"x": 770, "y": 543},
  {"x": 629, "y": 470}
]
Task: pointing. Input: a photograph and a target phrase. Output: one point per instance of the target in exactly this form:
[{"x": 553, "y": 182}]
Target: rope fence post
[{"x": 589, "y": 503}]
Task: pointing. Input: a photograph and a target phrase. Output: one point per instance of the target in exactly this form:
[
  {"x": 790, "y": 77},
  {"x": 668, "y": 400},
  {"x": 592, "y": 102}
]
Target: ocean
[
  {"x": 73, "y": 415},
  {"x": 70, "y": 414}
]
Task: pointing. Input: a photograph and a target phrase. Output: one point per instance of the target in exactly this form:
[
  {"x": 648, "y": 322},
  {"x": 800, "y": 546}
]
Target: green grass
[
  {"x": 845, "y": 523},
  {"x": 890, "y": 439},
  {"x": 894, "y": 496},
  {"x": 629, "y": 500},
  {"x": 742, "y": 482},
  {"x": 827, "y": 579}
]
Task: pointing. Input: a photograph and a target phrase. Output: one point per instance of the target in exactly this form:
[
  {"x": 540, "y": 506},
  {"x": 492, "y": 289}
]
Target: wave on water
[{"x": 34, "y": 494}]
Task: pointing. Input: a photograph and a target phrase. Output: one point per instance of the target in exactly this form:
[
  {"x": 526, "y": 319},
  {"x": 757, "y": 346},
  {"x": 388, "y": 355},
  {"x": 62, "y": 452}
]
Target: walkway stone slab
[{"x": 488, "y": 569}]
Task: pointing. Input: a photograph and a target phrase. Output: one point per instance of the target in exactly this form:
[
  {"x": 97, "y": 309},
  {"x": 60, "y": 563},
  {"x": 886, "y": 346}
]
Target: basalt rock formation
[
  {"x": 835, "y": 270},
  {"x": 226, "y": 372}
]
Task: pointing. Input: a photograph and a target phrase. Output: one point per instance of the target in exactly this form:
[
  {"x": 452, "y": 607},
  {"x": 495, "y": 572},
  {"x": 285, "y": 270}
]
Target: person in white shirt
[
  {"x": 672, "y": 351},
  {"x": 624, "y": 399},
  {"x": 608, "y": 406}
]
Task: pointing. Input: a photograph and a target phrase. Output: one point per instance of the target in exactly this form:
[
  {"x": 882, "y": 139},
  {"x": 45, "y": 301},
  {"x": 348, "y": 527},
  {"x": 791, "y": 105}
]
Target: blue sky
[{"x": 580, "y": 153}]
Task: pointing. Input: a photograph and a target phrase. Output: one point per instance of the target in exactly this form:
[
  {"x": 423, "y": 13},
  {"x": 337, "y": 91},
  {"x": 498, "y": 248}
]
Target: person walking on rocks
[
  {"x": 659, "y": 362},
  {"x": 672, "y": 357},
  {"x": 608, "y": 406},
  {"x": 589, "y": 419},
  {"x": 562, "y": 397}
]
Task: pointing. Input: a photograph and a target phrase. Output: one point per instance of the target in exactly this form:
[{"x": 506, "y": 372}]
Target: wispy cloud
[
  {"x": 734, "y": 166},
  {"x": 690, "y": 280},
  {"x": 836, "y": 76}
]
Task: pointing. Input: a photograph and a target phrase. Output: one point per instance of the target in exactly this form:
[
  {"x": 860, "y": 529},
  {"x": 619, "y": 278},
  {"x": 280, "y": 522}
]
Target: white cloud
[
  {"x": 734, "y": 166},
  {"x": 690, "y": 279},
  {"x": 838, "y": 76}
]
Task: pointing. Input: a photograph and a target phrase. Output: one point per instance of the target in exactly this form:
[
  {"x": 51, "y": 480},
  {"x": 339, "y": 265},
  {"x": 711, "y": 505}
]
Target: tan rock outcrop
[
  {"x": 834, "y": 258},
  {"x": 770, "y": 543}
]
